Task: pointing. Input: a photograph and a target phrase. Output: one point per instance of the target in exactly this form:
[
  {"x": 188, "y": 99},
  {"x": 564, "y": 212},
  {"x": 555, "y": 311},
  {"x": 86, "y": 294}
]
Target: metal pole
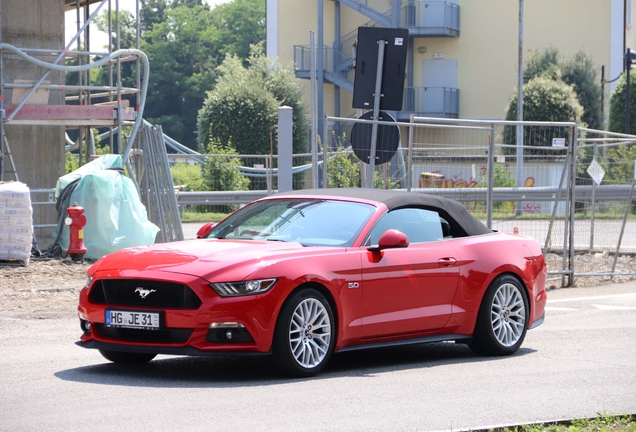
[
  {"x": 119, "y": 116},
  {"x": 138, "y": 46},
  {"x": 325, "y": 142},
  {"x": 111, "y": 138},
  {"x": 1, "y": 101},
  {"x": 321, "y": 69},
  {"x": 409, "y": 164},
  {"x": 603, "y": 92},
  {"x": 376, "y": 112},
  {"x": 314, "y": 109},
  {"x": 520, "y": 178},
  {"x": 628, "y": 66},
  {"x": 491, "y": 178},
  {"x": 593, "y": 203}
]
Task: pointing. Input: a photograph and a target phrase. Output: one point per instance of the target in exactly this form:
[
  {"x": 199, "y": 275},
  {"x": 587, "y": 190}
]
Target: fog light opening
[
  {"x": 228, "y": 335},
  {"x": 85, "y": 326}
]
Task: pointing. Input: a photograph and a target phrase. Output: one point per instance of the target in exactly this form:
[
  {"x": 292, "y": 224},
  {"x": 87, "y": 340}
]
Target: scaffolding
[{"x": 86, "y": 104}]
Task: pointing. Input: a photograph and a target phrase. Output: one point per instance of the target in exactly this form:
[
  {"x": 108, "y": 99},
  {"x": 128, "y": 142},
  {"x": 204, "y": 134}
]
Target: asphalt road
[{"x": 580, "y": 362}]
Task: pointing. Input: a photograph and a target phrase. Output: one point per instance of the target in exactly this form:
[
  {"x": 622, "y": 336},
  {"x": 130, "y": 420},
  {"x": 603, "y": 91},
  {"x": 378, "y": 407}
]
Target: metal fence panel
[{"x": 540, "y": 186}]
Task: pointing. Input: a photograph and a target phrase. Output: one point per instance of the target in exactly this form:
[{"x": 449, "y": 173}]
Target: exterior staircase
[{"x": 423, "y": 18}]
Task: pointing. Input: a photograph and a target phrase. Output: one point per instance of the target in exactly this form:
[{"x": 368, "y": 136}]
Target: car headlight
[
  {"x": 89, "y": 279},
  {"x": 232, "y": 289}
]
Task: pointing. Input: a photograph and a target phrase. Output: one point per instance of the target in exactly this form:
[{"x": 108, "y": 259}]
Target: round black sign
[{"x": 386, "y": 145}]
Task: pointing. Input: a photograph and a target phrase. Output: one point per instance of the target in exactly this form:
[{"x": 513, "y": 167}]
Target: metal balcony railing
[
  {"x": 423, "y": 18},
  {"x": 431, "y": 101},
  {"x": 431, "y": 18}
]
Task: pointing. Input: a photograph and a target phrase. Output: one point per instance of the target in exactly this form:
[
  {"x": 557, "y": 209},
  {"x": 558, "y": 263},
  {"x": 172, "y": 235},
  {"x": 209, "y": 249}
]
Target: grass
[
  {"x": 602, "y": 423},
  {"x": 201, "y": 217}
]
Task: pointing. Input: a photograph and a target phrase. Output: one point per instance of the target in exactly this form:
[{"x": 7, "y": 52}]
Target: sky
[{"x": 99, "y": 39}]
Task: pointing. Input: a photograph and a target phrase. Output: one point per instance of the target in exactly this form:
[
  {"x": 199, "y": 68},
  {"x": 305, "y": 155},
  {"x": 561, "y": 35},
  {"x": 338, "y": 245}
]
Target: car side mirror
[
  {"x": 391, "y": 239},
  {"x": 205, "y": 229}
]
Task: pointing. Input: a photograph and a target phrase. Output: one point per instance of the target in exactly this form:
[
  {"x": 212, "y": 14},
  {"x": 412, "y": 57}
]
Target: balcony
[
  {"x": 440, "y": 102},
  {"x": 431, "y": 19}
]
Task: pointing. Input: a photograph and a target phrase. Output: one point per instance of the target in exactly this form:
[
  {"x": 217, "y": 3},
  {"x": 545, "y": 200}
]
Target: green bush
[
  {"x": 188, "y": 177},
  {"x": 242, "y": 109},
  {"x": 578, "y": 71},
  {"x": 544, "y": 99},
  {"x": 501, "y": 178},
  {"x": 223, "y": 174}
]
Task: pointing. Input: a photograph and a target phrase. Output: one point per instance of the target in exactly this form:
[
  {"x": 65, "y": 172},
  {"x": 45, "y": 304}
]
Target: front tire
[
  {"x": 502, "y": 320},
  {"x": 305, "y": 334},
  {"x": 124, "y": 357}
]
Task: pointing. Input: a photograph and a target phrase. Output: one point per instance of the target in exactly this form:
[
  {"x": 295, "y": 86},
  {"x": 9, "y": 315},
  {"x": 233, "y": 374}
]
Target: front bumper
[{"x": 183, "y": 350}]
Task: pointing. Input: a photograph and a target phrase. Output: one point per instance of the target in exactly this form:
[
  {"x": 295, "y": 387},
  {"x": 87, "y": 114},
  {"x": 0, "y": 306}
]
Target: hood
[{"x": 201, "y": 258}]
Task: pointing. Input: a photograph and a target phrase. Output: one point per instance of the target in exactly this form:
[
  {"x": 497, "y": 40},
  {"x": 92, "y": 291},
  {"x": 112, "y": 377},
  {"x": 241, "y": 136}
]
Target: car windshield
[{"x": 311, "y": 222}]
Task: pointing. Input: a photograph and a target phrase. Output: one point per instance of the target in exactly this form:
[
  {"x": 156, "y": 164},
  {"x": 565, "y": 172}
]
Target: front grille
[
  {"x": 138, "y": 335},
  {"x": 145, "y": 293}
]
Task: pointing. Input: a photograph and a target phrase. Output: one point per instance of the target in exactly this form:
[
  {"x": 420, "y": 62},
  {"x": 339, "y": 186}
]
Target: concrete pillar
[
  {"x": 38, "y": 151},
  {"x": 285, "y": 148}
]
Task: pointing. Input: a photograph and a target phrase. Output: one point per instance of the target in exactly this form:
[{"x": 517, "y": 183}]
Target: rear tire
[
  {"x": 305, "y": 334},
  {"x": 502, "y": 320},
  {"x": 124, "y": 357}
]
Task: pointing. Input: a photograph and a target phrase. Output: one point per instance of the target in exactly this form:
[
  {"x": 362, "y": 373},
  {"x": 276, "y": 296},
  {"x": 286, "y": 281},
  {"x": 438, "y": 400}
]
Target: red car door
[{"x": 408, "y": 290}]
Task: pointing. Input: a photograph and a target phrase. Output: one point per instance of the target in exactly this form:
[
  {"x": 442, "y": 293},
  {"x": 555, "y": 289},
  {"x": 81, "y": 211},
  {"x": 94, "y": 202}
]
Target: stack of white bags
[{"x": 16, "y": 222}]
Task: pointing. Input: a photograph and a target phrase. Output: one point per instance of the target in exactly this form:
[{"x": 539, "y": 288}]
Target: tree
[
  {"x": 240, "y": 24},
  {"x": 618, "y": 105},
  {"x": 242, "y": 108},
  {"x": 183, "y": 59},
  {"x": 544, "y": 100},
  {"x": 619, "y": 160},
  {"x": 185, "y": 42},
  {"x": 578, "y": 71}
]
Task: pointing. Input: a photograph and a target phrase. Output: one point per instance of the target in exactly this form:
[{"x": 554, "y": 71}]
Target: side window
[{"x": 418, "y": 224}]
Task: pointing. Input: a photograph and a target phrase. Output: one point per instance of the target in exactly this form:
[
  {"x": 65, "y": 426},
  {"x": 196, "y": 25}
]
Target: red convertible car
[{"x": 302, "y": 275}]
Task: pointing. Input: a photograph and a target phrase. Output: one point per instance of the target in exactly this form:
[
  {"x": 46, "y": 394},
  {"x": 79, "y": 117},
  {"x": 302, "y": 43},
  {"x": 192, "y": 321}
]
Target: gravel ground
[
  {"x": 50, "y": 288},
  {"x": 41, "y": 290}
]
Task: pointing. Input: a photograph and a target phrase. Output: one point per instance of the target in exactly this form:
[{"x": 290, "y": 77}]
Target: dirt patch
[
  {"x": 595, "y": 263},
  {"x": 50, "y": 289},
  {"x": 41, "y": 290}
]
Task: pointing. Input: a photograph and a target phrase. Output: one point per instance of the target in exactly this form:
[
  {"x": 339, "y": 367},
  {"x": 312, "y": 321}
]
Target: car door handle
[{"x": 446, "y": 262}]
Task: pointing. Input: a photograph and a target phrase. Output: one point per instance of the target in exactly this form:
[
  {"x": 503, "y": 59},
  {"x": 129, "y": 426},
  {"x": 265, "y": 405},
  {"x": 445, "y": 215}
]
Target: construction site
[{"x": 49, "y": 105}]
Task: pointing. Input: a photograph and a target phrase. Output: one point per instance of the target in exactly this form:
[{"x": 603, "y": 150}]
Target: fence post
[
  {"x": 593, "y": 203},
  {"x": 568, "y": 235},
  {"x": 491, "y": 177},
  {"x": 285, "y": 148}
]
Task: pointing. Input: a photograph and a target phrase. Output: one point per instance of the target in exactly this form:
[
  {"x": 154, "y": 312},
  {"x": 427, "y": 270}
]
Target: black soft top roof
[{"x": 395, "y": 199}]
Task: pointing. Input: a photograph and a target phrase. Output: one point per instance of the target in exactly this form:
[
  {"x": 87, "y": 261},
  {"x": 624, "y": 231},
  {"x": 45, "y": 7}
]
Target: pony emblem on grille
[{"x": 143, "y": 293}]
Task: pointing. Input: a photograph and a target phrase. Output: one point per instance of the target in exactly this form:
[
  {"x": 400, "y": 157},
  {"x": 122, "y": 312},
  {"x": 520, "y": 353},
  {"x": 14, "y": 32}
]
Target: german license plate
[{"x": 133, "y": 319}]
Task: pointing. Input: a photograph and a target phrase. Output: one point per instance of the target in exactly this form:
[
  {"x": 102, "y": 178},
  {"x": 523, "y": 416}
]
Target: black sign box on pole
[{"x": 393, "y": 72}]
